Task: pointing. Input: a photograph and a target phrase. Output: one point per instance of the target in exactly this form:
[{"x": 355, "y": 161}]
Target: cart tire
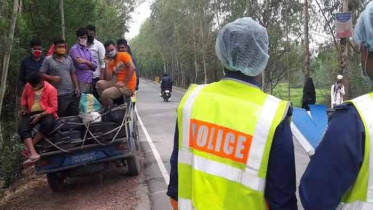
[
  {"x": 133, "y": 165},
  {"x": 136, "y": 136},
  {"x": 55, "y": 181}
]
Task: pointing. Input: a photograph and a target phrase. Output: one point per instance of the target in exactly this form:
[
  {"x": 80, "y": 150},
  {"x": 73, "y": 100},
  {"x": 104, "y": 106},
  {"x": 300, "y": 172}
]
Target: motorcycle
[{"x": 166, "y": 95}]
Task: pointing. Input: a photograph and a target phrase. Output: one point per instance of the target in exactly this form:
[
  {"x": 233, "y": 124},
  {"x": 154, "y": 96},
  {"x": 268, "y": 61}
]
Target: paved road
[{"x": 158, "y": 119}]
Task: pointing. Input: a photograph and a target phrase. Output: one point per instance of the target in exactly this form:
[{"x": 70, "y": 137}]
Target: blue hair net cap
[
  {"x": 364, "y": 27},
  {"x": 243, "y": 46}
]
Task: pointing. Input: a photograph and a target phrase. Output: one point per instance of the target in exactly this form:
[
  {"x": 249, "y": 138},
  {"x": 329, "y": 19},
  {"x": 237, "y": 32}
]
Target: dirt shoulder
[{"x": 113, "y": 190}]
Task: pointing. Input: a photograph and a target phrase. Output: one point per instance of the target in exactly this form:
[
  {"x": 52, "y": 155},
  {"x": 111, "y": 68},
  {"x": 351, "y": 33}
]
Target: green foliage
[
  {"x": 10, "y": 163},
  {"x": 42, "y": 18},
  {"x": 296, "y": 94}
]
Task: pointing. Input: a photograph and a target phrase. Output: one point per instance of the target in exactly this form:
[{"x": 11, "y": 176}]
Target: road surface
[
  {"x": 159, "y": 119},
  {"x": 115, "y": 190}
]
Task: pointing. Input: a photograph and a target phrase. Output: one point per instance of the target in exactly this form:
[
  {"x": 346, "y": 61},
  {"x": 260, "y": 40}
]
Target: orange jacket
[{"x": 48, "y": 98}]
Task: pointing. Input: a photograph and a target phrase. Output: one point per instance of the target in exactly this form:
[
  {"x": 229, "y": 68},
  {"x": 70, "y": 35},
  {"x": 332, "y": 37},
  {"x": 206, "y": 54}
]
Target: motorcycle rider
[{"x": 166, "y": 83}]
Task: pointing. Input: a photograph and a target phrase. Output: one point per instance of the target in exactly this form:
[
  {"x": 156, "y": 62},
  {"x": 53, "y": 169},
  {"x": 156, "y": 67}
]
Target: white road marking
[{"x": 157, "y": 157}]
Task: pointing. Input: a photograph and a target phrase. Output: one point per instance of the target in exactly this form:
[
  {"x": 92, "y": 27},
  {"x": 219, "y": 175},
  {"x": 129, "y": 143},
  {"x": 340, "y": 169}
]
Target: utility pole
[
  {"x": 8, "y": 51},
  {"x": 62, "y": 20},
  {"x": 345, "y": 48},
  {"x": 307, "y": 54}
]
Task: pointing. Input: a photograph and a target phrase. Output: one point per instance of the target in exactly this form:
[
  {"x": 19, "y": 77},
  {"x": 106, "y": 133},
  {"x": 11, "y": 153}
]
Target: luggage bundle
[{"x": 70, "y": 132}]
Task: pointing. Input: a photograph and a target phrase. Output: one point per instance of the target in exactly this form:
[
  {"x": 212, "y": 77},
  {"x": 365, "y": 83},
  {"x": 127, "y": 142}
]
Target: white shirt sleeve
[{"x": 101, "y": 55}]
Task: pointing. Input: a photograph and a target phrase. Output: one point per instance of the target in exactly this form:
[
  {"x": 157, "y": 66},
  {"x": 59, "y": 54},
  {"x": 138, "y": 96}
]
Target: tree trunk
[
  {"x": 63, "y": 20},
  {"x": 164, "y": 66},
  {"x": 203, "y": 47},
  {"x": 195, "y": 53},
  {"x": 4, "y": 74},
  {"x": 345, "y": 46},
  {"x": 306, "y": 44}
]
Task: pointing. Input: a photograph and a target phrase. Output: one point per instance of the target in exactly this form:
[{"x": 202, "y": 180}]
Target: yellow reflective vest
[
  {"x": 360, "y": 196},
  {"x": 225, "y": 136}
]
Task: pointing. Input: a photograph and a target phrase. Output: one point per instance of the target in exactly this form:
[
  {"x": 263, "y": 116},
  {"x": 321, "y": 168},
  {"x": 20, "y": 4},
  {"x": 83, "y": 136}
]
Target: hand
[
  {"x": 56, "y": 79},
  {"x": 22, "y": 113},
  {"x": 36, "y": 118},
  {"x": 77, "y": 92},
  {"x": 107, "y": 60},
  {"x": 120, "y": 84},
  {"x": 81, "y": 60},
  {"x": 174, "y": 204}
]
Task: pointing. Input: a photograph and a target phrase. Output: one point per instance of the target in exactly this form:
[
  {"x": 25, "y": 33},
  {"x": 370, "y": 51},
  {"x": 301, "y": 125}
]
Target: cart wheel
[
  {"x": 166, "y": 99},
  {"x": 133, "y": 165},
  {"x": 55, "y": 181}
]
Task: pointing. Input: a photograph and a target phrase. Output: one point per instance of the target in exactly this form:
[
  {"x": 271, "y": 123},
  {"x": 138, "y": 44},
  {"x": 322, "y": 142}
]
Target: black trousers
[
  {"x": 25, "y": 127},
  {"x": 68, "y": 105},
  {"x": 94, "y": 90}
]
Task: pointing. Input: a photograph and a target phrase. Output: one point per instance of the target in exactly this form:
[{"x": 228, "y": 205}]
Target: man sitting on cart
[
  {"x": 120, "y": 65},
  {"x": 38, "y": 106}
]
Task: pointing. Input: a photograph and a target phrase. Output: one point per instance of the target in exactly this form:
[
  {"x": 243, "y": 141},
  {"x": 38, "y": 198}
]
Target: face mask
[
  {"x": 61, "y": 51},
  {"x": 36, "y": 53},
  {"x": 83, "y": 42},
  {"x": 364, "y": 74},
  {"x": 40, "y": 86},
  {"x": 90, "y": 39},
  {"x": 112, "y": 54}
]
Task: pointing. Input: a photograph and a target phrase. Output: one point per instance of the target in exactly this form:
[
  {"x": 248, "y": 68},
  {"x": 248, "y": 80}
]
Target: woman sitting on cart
[{"x": 38, "y": 106}]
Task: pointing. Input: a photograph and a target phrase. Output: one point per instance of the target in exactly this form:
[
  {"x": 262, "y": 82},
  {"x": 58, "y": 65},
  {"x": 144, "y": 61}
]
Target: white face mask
[
  {"x": 83, "y": 42},
  {"x": 112, "y": 54},
  {"x": 364, "y": 74}
]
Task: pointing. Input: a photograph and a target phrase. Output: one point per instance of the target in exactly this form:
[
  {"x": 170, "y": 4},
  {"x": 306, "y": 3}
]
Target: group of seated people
[{"x": 53, "y": 84}]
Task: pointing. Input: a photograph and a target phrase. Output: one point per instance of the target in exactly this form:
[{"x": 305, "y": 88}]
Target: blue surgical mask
[{"x": 112, "y": 54}]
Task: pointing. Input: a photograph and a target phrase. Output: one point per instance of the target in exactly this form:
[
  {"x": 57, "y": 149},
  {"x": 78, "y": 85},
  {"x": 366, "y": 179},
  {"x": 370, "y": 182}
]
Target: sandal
[{"x": 31, "y": 161}]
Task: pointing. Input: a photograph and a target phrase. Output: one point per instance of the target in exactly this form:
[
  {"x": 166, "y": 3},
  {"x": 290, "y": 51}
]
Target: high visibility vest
[
  {"x": 360, "y": 195},
  {"x": 225, "y": 136}
]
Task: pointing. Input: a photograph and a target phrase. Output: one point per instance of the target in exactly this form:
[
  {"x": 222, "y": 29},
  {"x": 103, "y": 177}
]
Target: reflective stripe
[
  {"x": 250, "y": 176},
  {"x": 187, "y": 113},
  {"x": 364, "y": 104},
  {"x": 263, "y": 126},
  {"x": 184, "y": 204},
  {"x": 358, "y": 205},
  {"x": 247, "y": 177},
  {"x": 302, "y": 140}
]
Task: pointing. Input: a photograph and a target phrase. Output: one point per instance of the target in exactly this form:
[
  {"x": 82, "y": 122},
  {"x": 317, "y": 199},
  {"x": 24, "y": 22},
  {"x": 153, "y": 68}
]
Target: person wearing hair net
[
  {"x": 340, "y": 174},
  {"x": 337, "y": 92},
  {"x": 233, "y": 147}
]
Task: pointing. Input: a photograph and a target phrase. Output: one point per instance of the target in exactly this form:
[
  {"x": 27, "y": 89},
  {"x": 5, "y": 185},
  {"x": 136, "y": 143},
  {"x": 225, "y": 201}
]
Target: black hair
[
  {"x": 34, "y": 78},
  {"x": 81, "y": 32},
  {"x": 108, "y": 43},
  {"x": 91, "y": 27},
  {"x": 122, "y": 41},
  {"x": 35, "y": 42},
  {"x": 59, "y": 41}
]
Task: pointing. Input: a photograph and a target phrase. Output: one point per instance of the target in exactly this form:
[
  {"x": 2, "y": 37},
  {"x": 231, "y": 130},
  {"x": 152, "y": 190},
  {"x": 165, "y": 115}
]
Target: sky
[{"x": 139, "y": 15}]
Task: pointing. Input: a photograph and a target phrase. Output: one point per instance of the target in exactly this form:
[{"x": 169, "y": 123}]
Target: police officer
[
  {"x": 233, "y": 145},
  {"x": 340, "y": 174}
]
